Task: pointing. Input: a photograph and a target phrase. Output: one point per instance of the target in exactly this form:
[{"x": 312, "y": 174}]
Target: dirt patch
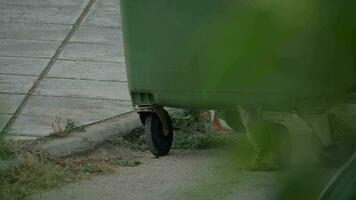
[
  {"x": 5, "y": 151},
  {"x": 42, "y": 173}
]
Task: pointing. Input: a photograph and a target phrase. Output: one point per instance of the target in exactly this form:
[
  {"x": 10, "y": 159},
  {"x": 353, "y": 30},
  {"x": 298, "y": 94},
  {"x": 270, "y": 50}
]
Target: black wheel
[
  {"x": 343, "y": 143},
  {"x": 158, "y": 143}
]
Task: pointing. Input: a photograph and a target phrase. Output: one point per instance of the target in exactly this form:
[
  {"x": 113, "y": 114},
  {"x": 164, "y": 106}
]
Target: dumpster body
[{"x": 216, "y": 54}]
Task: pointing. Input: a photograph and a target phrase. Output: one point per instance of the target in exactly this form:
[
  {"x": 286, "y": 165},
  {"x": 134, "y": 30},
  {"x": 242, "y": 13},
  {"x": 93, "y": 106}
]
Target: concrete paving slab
[
  {"x": 12, "y": 47},
  {"x": 103, "y": 18},
  {"x": 10, "y": 102},
  {"x": 16, "y": 84},
  {"x": 93, "y": 52},
  {"x": 45, "y": 3},
  {"x": 98, "y": 35},
  {"x": 33, "y": 31},
  {"x": 28, "y": 125},
  {"x": 39, "y": 14},
  {"x": 75, "y": 107},
  {"x": 88, "y": 70},
  {"x": 107, "y": 5},
  {"x": 22, "y": 66},
  {"x": 87, "y": 84},
  {"x": 4, "y": 118},
  {"x": 84, "y": 88}
]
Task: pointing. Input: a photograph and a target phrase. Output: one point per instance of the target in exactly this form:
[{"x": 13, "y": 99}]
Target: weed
[
  {"x": 70, "y": 126},
  {"x": 197, "y": 140},
  {"x": 5, "y": 151},
  {"x": 126, "y": 163},
  {"x": 35, "y": 175},
  {"x": 41, "y": 172},
  {"x": 136, "y": 136},
  {"x": 97, "y": 167},
  {"x": 191, "y": 120},
  {"x": 134, "y": 140},
  {"x": 191, "y": 132}
]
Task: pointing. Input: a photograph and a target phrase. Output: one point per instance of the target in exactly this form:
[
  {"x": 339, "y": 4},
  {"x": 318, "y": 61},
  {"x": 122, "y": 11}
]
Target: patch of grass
[
  {"x": 191, "y": 132},
  {"x": 126, "y": 163},
  {"x": 83, "y": 167},
  {"x": 41, "y": 172},
  {"x": 191, "y": 120},
  {"x": 197, "y": 140},
  {"x": 69, "y": 127},
  {"x": 5, "y": 151},
  {"x": 134, "y": 140},
  {"x": 34, "y": 176},
  {"x": 97, "y": 167},
  {"x": 136, "y": 136}
]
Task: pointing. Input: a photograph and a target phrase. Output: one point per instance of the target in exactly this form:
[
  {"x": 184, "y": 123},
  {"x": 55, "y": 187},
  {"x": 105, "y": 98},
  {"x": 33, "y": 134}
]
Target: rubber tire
[
  {"x": 143, "y": 116},
  {"x": 157, "y": 143}
]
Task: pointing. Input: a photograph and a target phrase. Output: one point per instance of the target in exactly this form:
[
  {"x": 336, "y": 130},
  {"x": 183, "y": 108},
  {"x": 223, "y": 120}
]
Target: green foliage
[
  {"x": 191, "y": 120},
  {"x": 33, "y": 176},
  {"x": 96, "y": 167},
  {"x": 197, "y": 140},
  {"x": 70, "y": 126},
  {"x": 41, "y": 172},
  {"x": 134, "y": 140},
  {"x": 126, "y": 163},
  {"x": 191, "y": 132},
  {"x": 5, "y": 150}
]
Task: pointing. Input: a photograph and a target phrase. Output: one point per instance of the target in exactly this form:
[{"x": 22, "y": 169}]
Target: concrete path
[
  {"x": 59, "y": 59},
  {"x": 181, "y": 175}
]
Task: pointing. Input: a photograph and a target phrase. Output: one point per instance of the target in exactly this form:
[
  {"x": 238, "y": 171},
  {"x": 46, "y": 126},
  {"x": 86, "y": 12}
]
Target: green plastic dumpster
[{"x": 216, "y": 54}]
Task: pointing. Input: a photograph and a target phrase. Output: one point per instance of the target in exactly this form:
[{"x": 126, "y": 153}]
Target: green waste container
[{"x": 215, "y": 54}]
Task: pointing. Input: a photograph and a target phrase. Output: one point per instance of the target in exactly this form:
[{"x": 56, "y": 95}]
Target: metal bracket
[{"x": 160, "y": 112}]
